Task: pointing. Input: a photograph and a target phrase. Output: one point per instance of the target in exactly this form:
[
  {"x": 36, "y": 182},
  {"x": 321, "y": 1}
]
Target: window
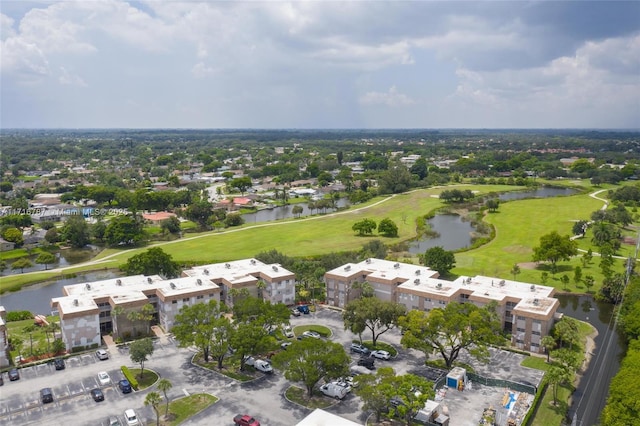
[
  {"x": 427, "y": 299},
  {"x": 211, "y": 295},
  {"x": 535, "y": 345},
  {"x": 521, "y": 330},
  {"x": 442, "y": 302},
  {"x": 464, "y": 296},
  {"x": 521, "y": 318},
  {"x": 536, "y": 333},
  {"x": 200, "y": 296},
  {"x": 173, "y": 302},
  {"x": 185, "y": 300}
]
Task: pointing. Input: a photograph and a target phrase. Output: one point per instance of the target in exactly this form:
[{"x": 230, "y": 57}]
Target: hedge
[{"x": 129, "y": 376}]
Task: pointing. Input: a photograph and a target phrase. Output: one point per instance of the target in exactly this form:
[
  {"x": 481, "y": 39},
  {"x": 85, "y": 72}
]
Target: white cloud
[
  {"x": 69, "y": 79},
  {"x": 391, "y": 98}
]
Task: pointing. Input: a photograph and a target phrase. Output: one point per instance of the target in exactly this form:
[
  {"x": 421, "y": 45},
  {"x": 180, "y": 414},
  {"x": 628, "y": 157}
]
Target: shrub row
[
  {"x": 18, "y": 316},
  {"x": 130, "y": 376}
]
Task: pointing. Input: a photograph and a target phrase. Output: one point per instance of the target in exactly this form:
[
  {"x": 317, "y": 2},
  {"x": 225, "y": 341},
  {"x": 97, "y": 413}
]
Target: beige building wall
[{"x": 4, "y": 339}]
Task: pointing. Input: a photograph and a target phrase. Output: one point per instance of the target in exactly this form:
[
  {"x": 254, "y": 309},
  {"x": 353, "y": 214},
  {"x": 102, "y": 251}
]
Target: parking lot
[{"x": 20, "y": 400}]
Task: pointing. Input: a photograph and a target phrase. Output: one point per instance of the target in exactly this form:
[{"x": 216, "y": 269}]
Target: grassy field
[
  {"x": 519, "y": 225},
  {"x": 183, "y": 408}
]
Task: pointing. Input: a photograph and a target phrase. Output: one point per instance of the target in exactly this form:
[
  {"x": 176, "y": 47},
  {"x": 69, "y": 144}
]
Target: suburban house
[
  {"x": 157, "y": 217},
  {"x": 248, "y": 276},
  {"x": 527, "y": 311},
  {"x": 91, "y": 309}
]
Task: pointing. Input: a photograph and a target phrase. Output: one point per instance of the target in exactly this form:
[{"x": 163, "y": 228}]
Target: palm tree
[
  {"x": 30, "y": 329},
  {"x": 153, "y": 399},
  {"x": 548, "y": 343},
  {"x": 164, "y": 385},
  {"x": 115, "y": 313},
  {"x": 261, "y": 285}
]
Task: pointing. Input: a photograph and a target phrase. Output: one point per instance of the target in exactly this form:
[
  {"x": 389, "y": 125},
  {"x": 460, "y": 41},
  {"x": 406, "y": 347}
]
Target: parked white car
[
  {"x": 131, "y": 418},
  {"x": 381, "y": 354},
  {"x": 103, "y": 378},
  {"x": 288, "y": 332},
  {"x": 263, "y": 366}
]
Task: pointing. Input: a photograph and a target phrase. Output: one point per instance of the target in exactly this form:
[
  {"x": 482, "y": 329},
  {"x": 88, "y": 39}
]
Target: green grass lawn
[
  {"x": 320, "y": 329},
  {"x": 380, "y": 346},
  {"x": 33, "y": 338},
  {"x": 183, "y": 408},
  {"x": 149, "y": 378}
]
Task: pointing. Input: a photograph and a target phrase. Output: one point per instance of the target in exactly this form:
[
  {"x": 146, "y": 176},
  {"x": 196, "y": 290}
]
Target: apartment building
[
  {"x": 248, "y": 277},
  {"x": 527, "y": 311},
  {"x": 89, "y": 310},
  {"x": 4, "y": 339}
]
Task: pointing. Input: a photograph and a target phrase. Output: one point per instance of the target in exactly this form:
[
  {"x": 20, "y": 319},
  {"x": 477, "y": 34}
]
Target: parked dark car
[
  {"x": 14, "y": 375},
  {"x": 59, "y": 363},
  {"x": 46, "y": 395},
  {"x": 303, "y": 309},
  {"x": 367, "y": 362},
  {"x": 97, "y": 395},
  {"x": 125, "y": 386}
]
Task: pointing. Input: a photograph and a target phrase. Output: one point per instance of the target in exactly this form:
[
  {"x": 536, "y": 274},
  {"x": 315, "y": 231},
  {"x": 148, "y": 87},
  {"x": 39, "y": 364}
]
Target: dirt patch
[{"x": 528, "y": 265}]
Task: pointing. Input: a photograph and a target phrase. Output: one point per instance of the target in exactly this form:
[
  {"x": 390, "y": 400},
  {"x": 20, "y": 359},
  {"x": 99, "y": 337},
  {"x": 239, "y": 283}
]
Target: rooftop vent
[
  {"x": 533, "y": 287},
  {"x": 368, "y": 260},
  {"x": 199, "y": 281},
  {"x": 468, "y": 280},
  {"x": 396, "y": 265},
  {"x": 253, "y": 261},
  {"x": 75, "y": 302},
  {"x": 502, "y": 283},
  {"x": 173, "y": 286},
  {"x": 118, "y": 282},
  {"x": 347, "y": 268},
  {"x": 416, "y": 281},
  {"x": 87, "y": 286},
  {"x": 149, "y": 280},
  {"x": 417, "y": 271},
  {"x": 227, "y": 265},
  {"x": 206, "y": 272},
  {"x": 274, "y": 267},
  {"x": 536, "y": 301},
  {"x": 439, "y": 285}
]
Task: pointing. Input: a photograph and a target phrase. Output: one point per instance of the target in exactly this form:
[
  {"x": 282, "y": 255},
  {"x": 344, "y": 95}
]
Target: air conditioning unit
[
  {"x": 206, "y": 272},
  {"x": 417, "y": 271},
  {"x": 253, "y": 261},
  {"x": 118, "y": 282},
  {"x": 536, "y": 301},
  {"x": 368, "y": 260},
  {"x": 397, "y": 265},
  {"x": 416, "y": 281},
  {"x": 533, "y": 287},
  {"x": 227, "y": 265},
  {"x": 75, "y": 302},
  {"x": 275, "y": 268},
  {"x": 87, "y": 286},
  {"x": 173, "y": 286},
  {"x": 347, "y": 268},
  {"x": 439, "y": 285},
  {"x": 502, "y": 283},
  {"x": 149, "y": 280},
  {"x": 199, "y": 281}
]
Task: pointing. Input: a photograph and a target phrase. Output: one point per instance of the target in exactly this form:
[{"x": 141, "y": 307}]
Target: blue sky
[{"x": 319, "y": 64}]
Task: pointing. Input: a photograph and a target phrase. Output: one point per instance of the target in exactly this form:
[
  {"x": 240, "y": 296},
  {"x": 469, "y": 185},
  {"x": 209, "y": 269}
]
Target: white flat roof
[
  {"x": 385, "y": 269},
  {"x": 320, "y": 417},
  {"x": 238, "y": 270}
]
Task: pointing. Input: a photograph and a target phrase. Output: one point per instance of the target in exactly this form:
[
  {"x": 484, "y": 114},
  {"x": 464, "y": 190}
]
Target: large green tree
[
  {"x": 247, "y": 339},
  {"x": 395, "y": 179},
  {"x": 450, "y": 329},
  {"x": 205, "y": 326},
  {"x": 45, "y": 259},
  {"x": 151, "y": 262},
  {"x": 624, "y": 393},
  {"x": 124, "y": 230},
  {"x": 140, "y": 351},
  {"x": 554, "y": 248},
  {"x": 199, "y": 212},
  {"x": 378, "y": 316},
  {"x": 76, "y": 231},
  {"x": 364, "y": 226},
  {"x": 310, "y": 360},
  {"x": 388, "y": 228},
  {"x": 439, "y": 259}
]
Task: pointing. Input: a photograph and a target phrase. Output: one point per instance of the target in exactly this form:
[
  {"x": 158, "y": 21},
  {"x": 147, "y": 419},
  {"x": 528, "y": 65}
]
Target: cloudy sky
[{"x": 319, "y": 64}]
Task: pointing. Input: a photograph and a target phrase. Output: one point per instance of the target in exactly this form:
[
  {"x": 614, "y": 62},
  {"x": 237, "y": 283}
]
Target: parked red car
[{"x": 245, "y": 420}]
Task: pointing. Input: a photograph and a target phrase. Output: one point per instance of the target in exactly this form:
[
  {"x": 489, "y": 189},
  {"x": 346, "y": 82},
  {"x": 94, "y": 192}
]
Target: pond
[
  {"x": 543, "y": 192},
  {"x": 65, "y": 257},
  {"x": 286, "y": 212},
  {"x": 454, "y": 233},
  {"x": 590, "y": 397},
  {"x": 36, "y": 298}
]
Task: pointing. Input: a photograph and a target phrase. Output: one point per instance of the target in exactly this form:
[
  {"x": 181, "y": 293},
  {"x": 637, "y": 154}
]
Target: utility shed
[{"x": 457, "y": 378}]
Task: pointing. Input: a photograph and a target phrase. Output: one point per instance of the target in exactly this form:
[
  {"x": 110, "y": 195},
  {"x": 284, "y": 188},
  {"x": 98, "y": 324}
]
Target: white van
[
  {"x": 263, "y": 366},
  {"x": 334, "y": 390}
]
